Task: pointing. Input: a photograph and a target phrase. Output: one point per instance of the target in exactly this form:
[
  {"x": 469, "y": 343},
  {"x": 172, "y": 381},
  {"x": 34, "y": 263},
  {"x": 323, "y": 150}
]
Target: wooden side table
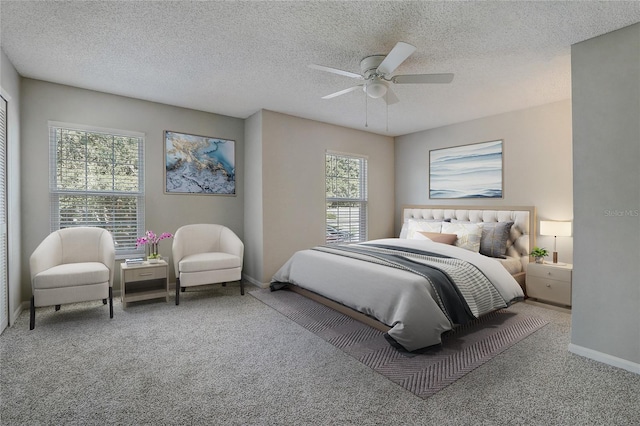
[
  {"x": 550, "y": 282},
  {"x": 144, "y": 281}
]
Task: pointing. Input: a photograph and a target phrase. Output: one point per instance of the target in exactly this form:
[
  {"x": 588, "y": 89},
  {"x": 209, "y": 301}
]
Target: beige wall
[
  {"x": 42, "y": 101},
  {"x": 293, "y": 184},
  {"x": 283, "y": 191},
  {"x": 253, "y": 203},
  {"x": 537, "y": 164},
  {"x": 10, "y": 88},
  {"x": 606, "y": 144}
]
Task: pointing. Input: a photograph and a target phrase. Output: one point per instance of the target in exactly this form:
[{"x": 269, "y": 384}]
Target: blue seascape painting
[{"x": 470, "y": 171}]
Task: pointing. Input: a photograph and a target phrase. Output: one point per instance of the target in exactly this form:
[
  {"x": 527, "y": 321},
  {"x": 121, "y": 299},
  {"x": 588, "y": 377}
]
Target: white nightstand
[{"x": 550, "y": 282}]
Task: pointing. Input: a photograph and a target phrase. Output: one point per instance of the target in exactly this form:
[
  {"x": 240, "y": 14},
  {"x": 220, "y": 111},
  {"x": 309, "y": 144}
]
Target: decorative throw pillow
[
  {"x": 495, "y": 236},
  {"x": 440, "y": 238},
  {"x": 405, "y": 226},
  {"x": 414, "y": 225},
  {"x": 419, "y": 235},
  {"x": 468, "y": 234}
]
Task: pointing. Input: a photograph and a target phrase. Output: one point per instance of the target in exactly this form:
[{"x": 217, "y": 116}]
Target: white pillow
[
  {"x": 417, "y": 225},
  {"x": 469, "y": 234},
  {"x": 419, "y": 236}
]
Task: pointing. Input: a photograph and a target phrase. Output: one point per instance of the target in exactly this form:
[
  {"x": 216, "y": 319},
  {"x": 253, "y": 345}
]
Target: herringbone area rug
[{"x": 425, "y": 372}]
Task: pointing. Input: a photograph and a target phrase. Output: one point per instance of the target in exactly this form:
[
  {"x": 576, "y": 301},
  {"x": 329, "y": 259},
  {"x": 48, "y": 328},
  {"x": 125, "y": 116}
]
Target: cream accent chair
[
  {"x": 206, "y": 254},
  {"x": 72, "y": 265}
]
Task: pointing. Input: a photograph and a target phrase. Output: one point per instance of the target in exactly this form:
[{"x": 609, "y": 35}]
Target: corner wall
[
  {"x": 10, "y": 83},
  {"x": 292, "y": 184},
  {"x": 606, "y": 156},
  {"x": 536, "y": 167},
  {"x": 253, "y": 216}
]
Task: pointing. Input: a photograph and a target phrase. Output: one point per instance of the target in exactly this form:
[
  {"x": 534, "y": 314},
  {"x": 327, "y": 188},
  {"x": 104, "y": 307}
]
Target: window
[
  {"x": 346, "y": 195},
  {"x": 97, "y": 179}
]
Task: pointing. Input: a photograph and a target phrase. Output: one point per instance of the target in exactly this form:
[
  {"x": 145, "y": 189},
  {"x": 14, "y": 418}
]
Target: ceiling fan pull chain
[
  {"x": 386, "y": 102},
  {"x": 366, "y": 108}
]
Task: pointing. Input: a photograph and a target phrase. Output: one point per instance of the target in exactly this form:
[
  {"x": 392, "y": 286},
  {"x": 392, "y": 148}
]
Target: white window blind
[
  {"x": 346, "y": 198},
  {"x": 97, "y": 179}
]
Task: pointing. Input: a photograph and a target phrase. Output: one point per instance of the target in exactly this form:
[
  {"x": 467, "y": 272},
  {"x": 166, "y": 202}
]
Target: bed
[{"x": 414, "y": 288}]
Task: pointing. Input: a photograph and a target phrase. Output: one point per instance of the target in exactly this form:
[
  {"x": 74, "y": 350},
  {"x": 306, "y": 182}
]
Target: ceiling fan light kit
[{"x": 376, "y": 88}]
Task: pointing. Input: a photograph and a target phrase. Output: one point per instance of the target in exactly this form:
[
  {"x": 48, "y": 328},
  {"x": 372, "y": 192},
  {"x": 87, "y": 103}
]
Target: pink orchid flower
[{"x": 151, "y": 238}]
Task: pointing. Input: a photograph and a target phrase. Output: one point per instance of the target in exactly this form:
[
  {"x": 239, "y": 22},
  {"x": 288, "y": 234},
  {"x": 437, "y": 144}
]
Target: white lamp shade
[
  {"x": 376, "y": 88},
  {"x": 555, "y": 228}
]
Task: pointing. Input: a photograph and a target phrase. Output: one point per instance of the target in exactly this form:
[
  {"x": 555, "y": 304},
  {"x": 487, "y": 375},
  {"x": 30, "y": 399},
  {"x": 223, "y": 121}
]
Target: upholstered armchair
[
  {"x": 72, "y": 265},
  {"x": 206, "y": 254}
]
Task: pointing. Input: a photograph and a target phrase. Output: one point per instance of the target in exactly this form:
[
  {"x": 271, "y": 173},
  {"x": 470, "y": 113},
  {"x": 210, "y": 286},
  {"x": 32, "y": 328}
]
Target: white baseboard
[
  {"x": 255, "y": 282},
  {"x": 605, "y": 358}
]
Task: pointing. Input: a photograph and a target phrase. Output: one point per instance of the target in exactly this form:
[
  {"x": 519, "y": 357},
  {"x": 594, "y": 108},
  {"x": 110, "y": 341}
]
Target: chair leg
[
  {"x": 183, "y": 289},
  {"x": 110, "y": 302},
  {"x": 241, "y": 288},
  {"x": 32, "y": 314},
  {"x": 177, "y": 291},
  {"x": 57, "y": 308},
  {"x": 224, "y": 284},
  {"x": 104, "y": 301}
]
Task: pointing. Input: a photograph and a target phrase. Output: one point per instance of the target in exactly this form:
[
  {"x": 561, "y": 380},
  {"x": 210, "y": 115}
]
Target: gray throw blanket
[{"x": 462, "y": 291}]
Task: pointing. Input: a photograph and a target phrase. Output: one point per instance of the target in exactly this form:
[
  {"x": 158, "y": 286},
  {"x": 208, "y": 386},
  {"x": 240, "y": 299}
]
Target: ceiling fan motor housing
[
  {"x": 370, "y": 64},
  {"x": 375, "y": 86}
]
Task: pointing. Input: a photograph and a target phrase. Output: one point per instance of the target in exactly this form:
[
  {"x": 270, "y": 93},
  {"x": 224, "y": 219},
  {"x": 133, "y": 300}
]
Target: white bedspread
[{"x": 397, "y": 298}]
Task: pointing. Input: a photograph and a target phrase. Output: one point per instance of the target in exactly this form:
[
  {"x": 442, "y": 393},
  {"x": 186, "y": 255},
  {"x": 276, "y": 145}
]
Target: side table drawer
[
  {"x": 550, "y": 273},
  {"x": 143, "y": 274},
  {"x": 549, "y": 290}
]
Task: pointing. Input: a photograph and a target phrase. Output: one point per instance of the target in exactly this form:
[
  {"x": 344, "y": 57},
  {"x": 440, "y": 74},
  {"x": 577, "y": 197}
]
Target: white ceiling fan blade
[
  {"x": 400, "y": 52},
  {"x": 342, "y": 92},
  {"x": 336, "y": 71},
  {"x": 390, "y": 98},
  {"x": 423, "y": 79}
]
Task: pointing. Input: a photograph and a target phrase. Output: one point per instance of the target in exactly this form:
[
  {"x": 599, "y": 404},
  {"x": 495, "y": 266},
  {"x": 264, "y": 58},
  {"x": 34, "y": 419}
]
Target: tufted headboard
[{"x": 523, "y": 231}]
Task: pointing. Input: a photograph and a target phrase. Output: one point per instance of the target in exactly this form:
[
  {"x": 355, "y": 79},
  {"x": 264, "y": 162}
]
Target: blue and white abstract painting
[
  {"x": 469, "y": 171},
  {"x": 199, "y": 164}
]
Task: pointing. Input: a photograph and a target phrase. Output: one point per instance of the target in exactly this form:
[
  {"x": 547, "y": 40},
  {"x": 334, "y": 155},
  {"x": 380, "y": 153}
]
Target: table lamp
[{"x": 557, "y": 229}]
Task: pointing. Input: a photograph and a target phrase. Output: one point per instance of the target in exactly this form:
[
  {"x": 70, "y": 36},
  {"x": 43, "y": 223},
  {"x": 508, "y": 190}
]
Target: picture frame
[
  {"x": 467, "y": 171},
  {"x": 199, "y": 165}
]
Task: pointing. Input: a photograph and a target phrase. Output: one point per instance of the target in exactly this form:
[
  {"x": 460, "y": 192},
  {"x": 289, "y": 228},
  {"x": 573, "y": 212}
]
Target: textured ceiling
[{"x": 235, "y": 58}]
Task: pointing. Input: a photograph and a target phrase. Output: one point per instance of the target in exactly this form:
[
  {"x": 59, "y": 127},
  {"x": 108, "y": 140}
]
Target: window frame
[
  {"x": 56, "y": 193},
  {"x": 362, "y": 222}
]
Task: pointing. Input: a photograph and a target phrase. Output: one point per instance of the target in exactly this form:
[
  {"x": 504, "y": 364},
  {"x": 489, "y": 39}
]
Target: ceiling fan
[{"x": 376, "y": 73}]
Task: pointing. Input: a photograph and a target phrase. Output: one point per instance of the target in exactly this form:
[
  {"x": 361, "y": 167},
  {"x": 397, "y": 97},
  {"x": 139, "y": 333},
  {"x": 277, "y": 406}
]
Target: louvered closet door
[{"x": 4, "y": 287}]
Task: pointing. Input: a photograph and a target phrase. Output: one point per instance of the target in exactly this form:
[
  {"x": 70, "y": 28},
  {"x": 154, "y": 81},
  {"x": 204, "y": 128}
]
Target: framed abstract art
[{"x": 199, "y": 164}]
